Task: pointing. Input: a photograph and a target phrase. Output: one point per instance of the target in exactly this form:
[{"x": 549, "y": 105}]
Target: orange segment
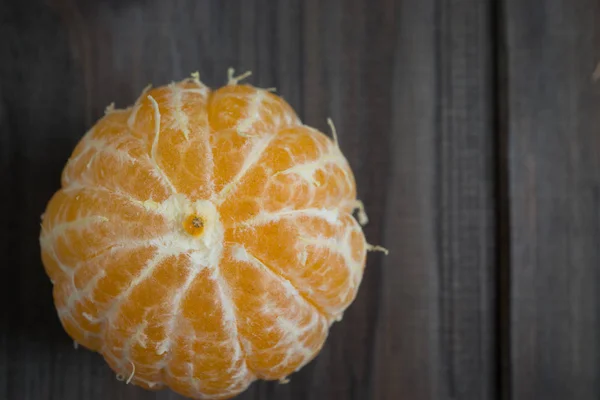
[
  {"x": 282, "y": 330},
  {"x": 207, "y": 349},
  {"x": 141, "y": 319},
  {"x": 173, "y": 123},
  {"x": 107, "y": 159},
  {"x": 298, "y": 168},
  {"x": 230, "y": 153},
  {"x": 249, "y": 111},
  {"x": 85, "y": 299},
  {"x": 308, "y": 169},
  {"x": 310, "y": 250},
  {"x": 80, "y": 223},
  {"x": 251, "y": 120}
]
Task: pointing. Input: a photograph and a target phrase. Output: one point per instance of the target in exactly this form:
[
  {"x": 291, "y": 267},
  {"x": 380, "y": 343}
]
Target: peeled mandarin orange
[{"x": 202, "y": 240}]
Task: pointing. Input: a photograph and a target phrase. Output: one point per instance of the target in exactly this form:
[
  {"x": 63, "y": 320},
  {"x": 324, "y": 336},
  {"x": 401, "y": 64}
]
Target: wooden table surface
[{"x": 473, "y": 127}]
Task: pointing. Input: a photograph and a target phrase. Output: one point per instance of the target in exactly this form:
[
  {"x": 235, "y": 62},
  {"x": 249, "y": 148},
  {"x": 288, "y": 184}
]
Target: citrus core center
[{"x": 193, "y": 224}]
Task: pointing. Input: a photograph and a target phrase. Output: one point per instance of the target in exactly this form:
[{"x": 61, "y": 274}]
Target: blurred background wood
[
  {"x": 473, "y": 130},
  {"x": 435, "y": 334},
  {"x": 553, "y": 114}
]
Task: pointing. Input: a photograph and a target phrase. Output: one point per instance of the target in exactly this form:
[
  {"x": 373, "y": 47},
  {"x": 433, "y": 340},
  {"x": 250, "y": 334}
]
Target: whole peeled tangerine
[{"x": 202, "y": 240}]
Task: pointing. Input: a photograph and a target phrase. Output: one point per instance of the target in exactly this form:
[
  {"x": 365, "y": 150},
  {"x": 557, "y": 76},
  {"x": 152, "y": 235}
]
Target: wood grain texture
[
  {"x": 436, "y": 333},
  {"x": 5, "y": 178},
  {"x": 554, "y": 148},
  {"x": 408, "y": 84}
]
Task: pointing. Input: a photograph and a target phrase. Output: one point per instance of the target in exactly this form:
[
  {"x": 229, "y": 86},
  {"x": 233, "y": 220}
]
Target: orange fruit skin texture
[{"x": 204, "y": 306}]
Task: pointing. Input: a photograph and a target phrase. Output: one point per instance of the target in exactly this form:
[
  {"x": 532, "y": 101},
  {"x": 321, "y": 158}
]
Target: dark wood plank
[
  {"x": 4, "y": 240},
  {"x": 436, "y": 331},
  {"x": 554, "y": 148},
  {"x": 408, "y": 86}
]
